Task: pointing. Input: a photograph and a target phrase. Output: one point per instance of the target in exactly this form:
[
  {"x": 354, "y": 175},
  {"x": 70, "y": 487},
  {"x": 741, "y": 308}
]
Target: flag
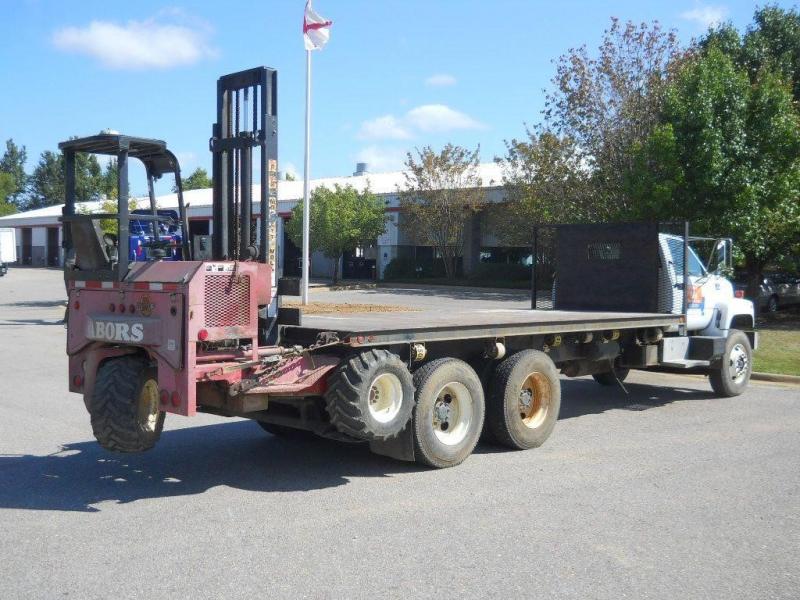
[{"x": 316, "y": 29}]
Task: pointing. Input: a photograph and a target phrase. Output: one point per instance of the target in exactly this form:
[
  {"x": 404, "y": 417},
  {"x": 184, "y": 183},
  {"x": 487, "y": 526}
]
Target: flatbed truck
[{"x": 212, "y": 335}]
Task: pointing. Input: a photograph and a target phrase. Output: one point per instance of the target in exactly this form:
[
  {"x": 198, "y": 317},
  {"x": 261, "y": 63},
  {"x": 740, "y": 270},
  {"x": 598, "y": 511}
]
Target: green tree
[
  {"x": 442, "y": 191},
  {"x": 109, "y": 180},
  {"x": 7, "y": 188},
  {"x": 342, "y": 219},
  {"x": 13, "y": 164},
  {"x": 545, "y": 182},
  {"x": 198, "y": 180},
  {"x": 610, "y": 101},
  {"x": 46, "y": 184},
  {"x": 727, "y": 157}
]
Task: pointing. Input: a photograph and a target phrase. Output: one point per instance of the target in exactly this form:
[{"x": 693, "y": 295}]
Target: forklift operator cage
[{"x": 83, "y": 240}]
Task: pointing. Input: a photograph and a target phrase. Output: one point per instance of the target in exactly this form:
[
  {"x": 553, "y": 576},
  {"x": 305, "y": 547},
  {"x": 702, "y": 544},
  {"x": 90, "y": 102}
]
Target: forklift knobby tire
[
  {"x": 449, "y": 412},
  {"x": 523, "y": 407},
  {"x": 730, "y": 376},
  {"x": 125, "y": 415},
  {"x": 370, "y": 395}
]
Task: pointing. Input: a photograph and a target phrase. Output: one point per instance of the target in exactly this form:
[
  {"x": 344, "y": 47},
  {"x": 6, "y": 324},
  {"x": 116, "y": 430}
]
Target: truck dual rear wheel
[
  {"x": 124, "y": 407},
  {"x": 449, "y": 412},
  {"x": 730, "y": 377},
  {"x": 525, "y": 400},
  {"x": 370, "y": 395}
]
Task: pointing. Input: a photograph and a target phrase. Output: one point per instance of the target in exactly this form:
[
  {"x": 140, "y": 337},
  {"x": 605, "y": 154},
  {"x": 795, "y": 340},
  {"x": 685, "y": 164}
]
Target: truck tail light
[
  {"x": 739, "y": 293},
  {"x": 202, "y": 335},
  {"x": 77, "y": 381},
  {"x": 164, "y": 396},
  {"x": 176, "y": 399}
]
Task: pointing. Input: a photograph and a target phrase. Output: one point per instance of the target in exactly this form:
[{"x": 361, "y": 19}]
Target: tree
[
  {"x": 46, "y": 184},
  {"x": 109, "y": 180},
  {"x": 7, "y": 188},
  {"x": 198, "y": 180},
  {"x": 726, "y": 157},
  {"x": 545, "y": 182},
  {"x": 610, "y": 103},
  {"x": 442, "y": 190},
  {"x": 342, "y": 219},
  {"x": 13, "y": 165}
]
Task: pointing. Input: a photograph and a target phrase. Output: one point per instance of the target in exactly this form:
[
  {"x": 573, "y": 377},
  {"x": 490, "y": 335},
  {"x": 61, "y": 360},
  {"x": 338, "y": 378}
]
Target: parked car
[
  {"x": 787, "y": 288},
  {"x": 777, "y": 290}
]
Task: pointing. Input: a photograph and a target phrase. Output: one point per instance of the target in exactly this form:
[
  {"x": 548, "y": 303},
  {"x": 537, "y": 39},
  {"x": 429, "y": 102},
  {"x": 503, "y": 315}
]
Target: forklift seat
[{"x": 90, "y": 250}]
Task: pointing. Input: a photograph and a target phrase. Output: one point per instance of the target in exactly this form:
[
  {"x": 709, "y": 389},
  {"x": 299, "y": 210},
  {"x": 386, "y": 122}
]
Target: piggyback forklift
[{"x": 208, "y": 333}]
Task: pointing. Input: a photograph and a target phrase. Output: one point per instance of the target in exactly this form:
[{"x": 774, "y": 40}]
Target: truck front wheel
[
  {"x": 448, "y": 416},
  {"x": 124, "y": 407},
  {"x": 525, "y": 400},
  {"x": 732, "y": 373}
]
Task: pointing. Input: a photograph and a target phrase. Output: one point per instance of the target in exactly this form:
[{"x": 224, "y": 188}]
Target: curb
[{"x": 774, "y": 377}]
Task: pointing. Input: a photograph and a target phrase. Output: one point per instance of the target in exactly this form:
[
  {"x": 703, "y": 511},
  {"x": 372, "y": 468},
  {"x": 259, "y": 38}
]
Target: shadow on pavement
[
  {"x": 185, "y": 462},
  {"x": 37, "y": 303},
  {"x": 240, "y": 455},
  {"x": 584, "y": 396}
]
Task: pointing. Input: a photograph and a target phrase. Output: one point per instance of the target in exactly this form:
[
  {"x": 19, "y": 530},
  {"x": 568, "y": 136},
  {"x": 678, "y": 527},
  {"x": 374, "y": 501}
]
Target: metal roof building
[{"x": 38, "y": 231}]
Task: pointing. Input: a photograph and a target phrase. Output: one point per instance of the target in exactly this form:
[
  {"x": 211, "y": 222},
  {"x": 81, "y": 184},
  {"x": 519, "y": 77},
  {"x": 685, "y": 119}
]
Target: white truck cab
[{"x": 712, "y": 307}]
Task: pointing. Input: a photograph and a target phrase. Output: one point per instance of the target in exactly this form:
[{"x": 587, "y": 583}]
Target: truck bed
[{"x": 439, "y": 325}]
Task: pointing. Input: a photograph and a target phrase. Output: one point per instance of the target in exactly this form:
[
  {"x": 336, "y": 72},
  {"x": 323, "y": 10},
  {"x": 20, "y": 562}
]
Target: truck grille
[{"x": 227, "y": 300}]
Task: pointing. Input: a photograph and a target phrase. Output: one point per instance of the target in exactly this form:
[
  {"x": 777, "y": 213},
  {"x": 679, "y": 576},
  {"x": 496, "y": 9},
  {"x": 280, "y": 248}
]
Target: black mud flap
[{"x": 400, "y": 447}]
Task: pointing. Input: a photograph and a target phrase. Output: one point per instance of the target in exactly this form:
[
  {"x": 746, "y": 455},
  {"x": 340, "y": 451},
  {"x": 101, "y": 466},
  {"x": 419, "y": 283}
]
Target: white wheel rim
[
  {"x": 385, "y": 397},
  {"x": 738, "y": 363},
  {"x": 452, "y": 413}
]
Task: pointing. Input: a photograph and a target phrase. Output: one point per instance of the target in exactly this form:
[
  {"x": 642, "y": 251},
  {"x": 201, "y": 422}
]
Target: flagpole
[{"x": 306, "y": 170}]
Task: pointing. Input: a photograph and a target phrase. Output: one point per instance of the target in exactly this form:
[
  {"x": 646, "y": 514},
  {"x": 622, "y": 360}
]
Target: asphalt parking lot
[{"x": 665, "y": 493}]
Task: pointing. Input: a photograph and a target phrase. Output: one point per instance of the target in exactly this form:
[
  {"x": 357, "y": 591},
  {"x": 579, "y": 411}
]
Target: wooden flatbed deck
[{"x": 429, "y": 326}]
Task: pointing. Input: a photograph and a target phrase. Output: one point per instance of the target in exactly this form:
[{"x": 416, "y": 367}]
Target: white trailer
[{"x": 8, "y": 249}]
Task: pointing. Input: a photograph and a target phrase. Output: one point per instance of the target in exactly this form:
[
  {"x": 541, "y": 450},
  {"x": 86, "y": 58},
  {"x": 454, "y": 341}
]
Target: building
[{"x": 39, "y": 233}]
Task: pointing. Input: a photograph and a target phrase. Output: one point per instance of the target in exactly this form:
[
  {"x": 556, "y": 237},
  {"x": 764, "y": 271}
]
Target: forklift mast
[{"x": 247, "y": 119}]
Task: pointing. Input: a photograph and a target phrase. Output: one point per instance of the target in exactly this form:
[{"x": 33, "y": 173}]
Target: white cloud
[
  {"x": 138, "y": 44},
  {"x": 186, "y": 160},
  {"x": 428, "y": 118},
  {"x": 440, "y": 80},
  {"x": 382, "y": 159},
  {"x": 386, "y": 127},
  {"x": 438, "y": 117},
  {"x": 705, "y": 15}
]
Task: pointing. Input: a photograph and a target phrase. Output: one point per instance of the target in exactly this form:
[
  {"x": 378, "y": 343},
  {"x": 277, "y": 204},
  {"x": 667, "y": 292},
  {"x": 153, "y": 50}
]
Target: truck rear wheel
[
  {"x": 370, "y": 395},
  {"x": 124, "y": 407},
  {"x": 525, "y": 400},
  {"x": 448, "y": 415},
  {"x": 730, "y": 377}
]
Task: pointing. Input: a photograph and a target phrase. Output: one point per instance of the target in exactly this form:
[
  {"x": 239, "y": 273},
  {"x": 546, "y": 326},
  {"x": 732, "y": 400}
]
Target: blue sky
[{"x": 395, "y": 75}]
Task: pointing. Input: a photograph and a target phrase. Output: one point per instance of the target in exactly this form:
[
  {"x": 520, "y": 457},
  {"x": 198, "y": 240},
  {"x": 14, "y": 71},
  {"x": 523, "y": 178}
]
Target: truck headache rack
[{"x": 608, "y": 267}]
